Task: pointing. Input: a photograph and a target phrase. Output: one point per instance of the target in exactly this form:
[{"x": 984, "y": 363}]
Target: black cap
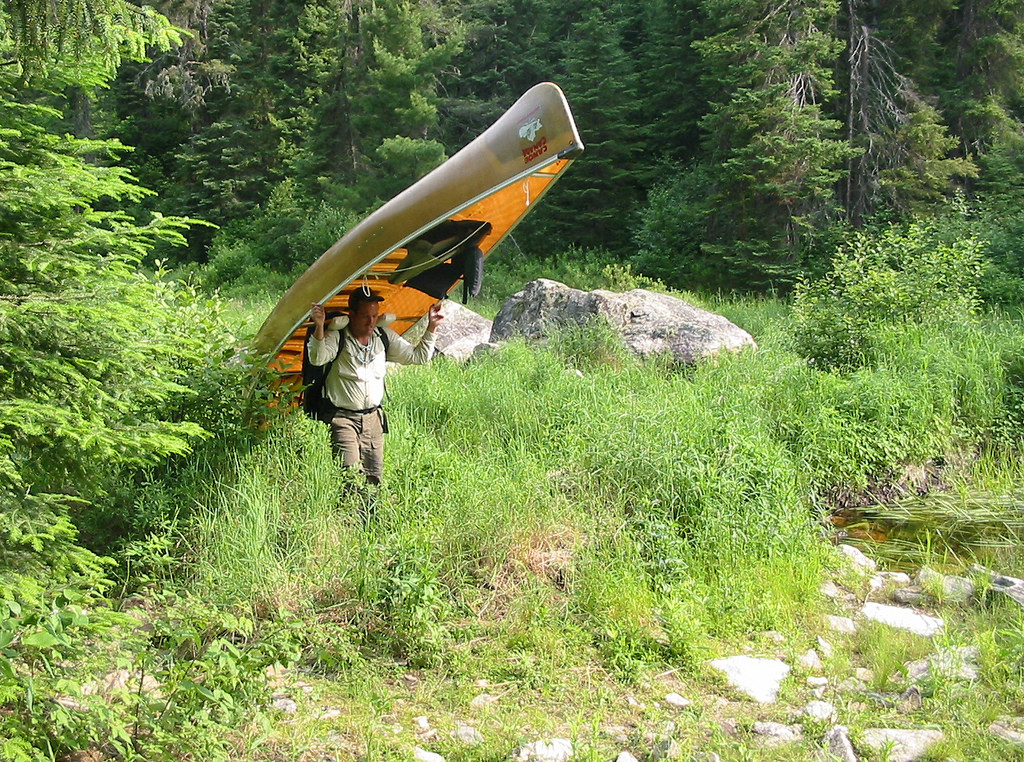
[{"x": 363, "y": 294}]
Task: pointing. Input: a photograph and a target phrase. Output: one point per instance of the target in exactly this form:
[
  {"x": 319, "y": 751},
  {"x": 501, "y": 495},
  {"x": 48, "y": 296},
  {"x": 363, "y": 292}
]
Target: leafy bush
[
  {"x": 275, "y": 244},
  {"x": 882, "y": 282}
]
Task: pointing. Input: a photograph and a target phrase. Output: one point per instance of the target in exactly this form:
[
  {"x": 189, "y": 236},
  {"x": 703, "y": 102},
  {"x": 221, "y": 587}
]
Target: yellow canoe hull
[{"x": 497, "y": 179}]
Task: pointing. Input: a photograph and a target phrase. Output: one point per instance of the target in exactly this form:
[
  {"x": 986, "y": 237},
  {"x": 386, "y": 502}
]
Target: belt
[{"x": 358, "y": 412}]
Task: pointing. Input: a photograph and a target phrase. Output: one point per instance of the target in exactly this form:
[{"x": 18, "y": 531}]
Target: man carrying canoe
[{"x": 354, "y": 387}]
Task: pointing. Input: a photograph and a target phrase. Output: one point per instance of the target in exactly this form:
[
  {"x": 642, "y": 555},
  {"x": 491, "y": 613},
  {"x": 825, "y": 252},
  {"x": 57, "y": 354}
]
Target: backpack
[{"x": 314, "y": 397}]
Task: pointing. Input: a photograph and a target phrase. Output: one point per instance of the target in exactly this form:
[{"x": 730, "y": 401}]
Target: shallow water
[{"x": 952, "y": 529}]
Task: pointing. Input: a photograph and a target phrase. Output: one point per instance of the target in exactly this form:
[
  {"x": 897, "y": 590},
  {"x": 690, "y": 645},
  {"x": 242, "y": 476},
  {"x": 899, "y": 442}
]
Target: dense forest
[
  {"x": 842, "y": 178},
  {"x": 730, "y": 144}
]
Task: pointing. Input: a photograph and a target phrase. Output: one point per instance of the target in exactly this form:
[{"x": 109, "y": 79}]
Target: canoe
[{"x": 465, "y": 207}]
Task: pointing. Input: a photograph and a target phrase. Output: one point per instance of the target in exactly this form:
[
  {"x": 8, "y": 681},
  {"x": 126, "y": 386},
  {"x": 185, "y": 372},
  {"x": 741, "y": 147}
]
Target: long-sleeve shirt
[{"x": 356, "y": 380}]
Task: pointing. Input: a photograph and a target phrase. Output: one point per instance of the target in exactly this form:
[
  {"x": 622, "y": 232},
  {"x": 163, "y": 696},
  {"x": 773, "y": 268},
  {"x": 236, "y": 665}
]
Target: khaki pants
[{"x": 358, "y": 439}]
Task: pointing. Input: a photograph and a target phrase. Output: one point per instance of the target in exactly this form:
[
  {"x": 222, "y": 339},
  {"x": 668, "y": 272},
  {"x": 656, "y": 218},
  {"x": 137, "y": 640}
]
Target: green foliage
[
  {"x": 879, "y": 283},
  {"x": 672, "y": 231},
  {"x": 276, "y": 244},
  {"x": 71, "y": 681}
]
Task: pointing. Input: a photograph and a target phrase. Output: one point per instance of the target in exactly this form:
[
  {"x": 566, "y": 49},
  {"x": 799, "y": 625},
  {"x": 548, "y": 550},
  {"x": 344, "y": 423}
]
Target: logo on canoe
[{"x": 529, "y": 130}]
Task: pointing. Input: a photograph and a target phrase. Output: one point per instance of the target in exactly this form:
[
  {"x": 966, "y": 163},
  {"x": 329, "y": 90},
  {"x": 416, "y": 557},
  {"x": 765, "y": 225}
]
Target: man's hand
[
  {"x": 316, "y": 311},
  {"x": 434, "y": 317}
]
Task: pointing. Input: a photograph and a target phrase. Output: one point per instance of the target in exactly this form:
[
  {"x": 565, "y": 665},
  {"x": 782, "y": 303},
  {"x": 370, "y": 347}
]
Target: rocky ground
[{"x": 777, "y": 700}]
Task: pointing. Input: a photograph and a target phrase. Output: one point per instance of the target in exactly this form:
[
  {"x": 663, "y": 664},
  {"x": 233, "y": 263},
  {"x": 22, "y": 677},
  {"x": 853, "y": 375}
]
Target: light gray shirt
[{"x": 356, "y": 380}]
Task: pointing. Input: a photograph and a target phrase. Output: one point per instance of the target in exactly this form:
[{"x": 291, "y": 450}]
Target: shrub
[{"x": 881, "y": 282}]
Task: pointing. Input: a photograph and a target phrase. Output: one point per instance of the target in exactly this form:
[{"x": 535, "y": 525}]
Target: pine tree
[{"x": 773, "y": 154}]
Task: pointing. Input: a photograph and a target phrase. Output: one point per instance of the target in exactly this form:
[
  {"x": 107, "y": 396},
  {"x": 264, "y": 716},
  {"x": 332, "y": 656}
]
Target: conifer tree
[{"x": 773, "y": 153}]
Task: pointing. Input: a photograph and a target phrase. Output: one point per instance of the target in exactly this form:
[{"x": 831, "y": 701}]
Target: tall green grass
[{"x": 571, "y": 494}]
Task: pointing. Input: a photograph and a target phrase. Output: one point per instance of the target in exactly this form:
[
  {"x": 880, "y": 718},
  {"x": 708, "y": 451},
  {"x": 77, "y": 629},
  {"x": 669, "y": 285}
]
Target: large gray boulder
[
  {"x": 461, "y": 331},
  {"x": 649, "y": 323}
]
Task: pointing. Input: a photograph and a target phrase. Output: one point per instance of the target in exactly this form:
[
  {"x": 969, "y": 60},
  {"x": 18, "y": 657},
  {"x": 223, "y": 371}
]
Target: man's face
[{"x": 363, "y": 319}]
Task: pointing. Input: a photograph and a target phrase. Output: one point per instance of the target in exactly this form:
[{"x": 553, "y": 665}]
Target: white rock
[
  {"x": 864, "y": 674},
  {"x": 468, "y": 734},
  {"x": 811, "y": 662},
  {"x": 666, "y": 749},
  {"x": 826, "y": 648},
  {"x": 817, "y": 682},
  {"x": 775, "y": 733},
  {"x": 820, "y": 710},
  {"x": 756, "y": 677},
  {"x": 774, "y": 635},
  {"x": 285, "y": 705},
  {"x": 330, "y": 714},
  {"x": 625, "y": 756},
  {"x": 903, "y": 619},
  {"x": 959, "y": 589},
  {"x": 954, "y": 663},
  {"x": 856, "y": 558},
  {"x": 1010, "y": 729},
  {"x": 906, "y": 745},
  {"x": 842, "y": 624},
  {"x": 896, "y": 578},
  {"x": 679, "y": 702},
  {"x": 422, "y": 755},
  {"x": 421, "y": 723},
  {"x": 838, "y": 741},
  {"x": 554, "y": 750},
  {"x": 828, "y": 588},
  {"x": 484, "y": 699}
]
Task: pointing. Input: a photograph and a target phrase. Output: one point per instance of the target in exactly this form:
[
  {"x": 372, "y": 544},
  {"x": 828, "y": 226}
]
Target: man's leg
[
  {"x": 371, "y": 446},
  {"x": 345, "y": 439}
]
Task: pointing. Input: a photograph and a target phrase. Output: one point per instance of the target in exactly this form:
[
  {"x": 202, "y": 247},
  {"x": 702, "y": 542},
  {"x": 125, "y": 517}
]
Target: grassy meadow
[
  {"x": 565, "y": 535},
  {"x": 570, "y": 527}
]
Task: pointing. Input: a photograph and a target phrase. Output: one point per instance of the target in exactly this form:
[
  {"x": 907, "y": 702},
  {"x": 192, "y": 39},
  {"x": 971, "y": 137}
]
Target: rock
[
  {"x": 674, "y": 699},
  {"x": 485, "y": 349},
  {"x": 422, "y": 755},
  {"x": 811, "y": 662},
  {"x": 817, "y": 682},
  {"x": 625, "y": 756},
  {"x": 851, "y": 685},
  {"x": 666, "y": 749},
  {"x": 705, "y": 756},
  {"x": 459, "y": 334},
  {"x": 856, "y": 558},
  {"x": 950, "y": 663},
  {"x": 484, "y": 699},
  {"x": 828, "y": 588},
  {"x": 864, "y": 674},
  {"x": 285, "y": 705},
  {"x": 956, "y": 589},
  {"x": 842, "y": 624},
  {"x": 911, "y": 596},
  {"x": 120, "y": 681},
  {"x": 649, "y": 323},
  {"x": 820, "y": 710},
  {"x": 468, "y": 735},
  {"x": 826, "y": 648},
  {"x": 912, "y": 699},
  {"x": 902, "y": 618},
  {"x": 756, "y": 677},
  {"x": 774, "y": 635},
  {"x": 1010, "y": 729},
  {"x": 837, "y": 739},
  {"x": 775, "y": 733},
  {"x": 329, "y": 714},
  {"x": 554, "y": 750},
  {"x": 907, "y": 745}
]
